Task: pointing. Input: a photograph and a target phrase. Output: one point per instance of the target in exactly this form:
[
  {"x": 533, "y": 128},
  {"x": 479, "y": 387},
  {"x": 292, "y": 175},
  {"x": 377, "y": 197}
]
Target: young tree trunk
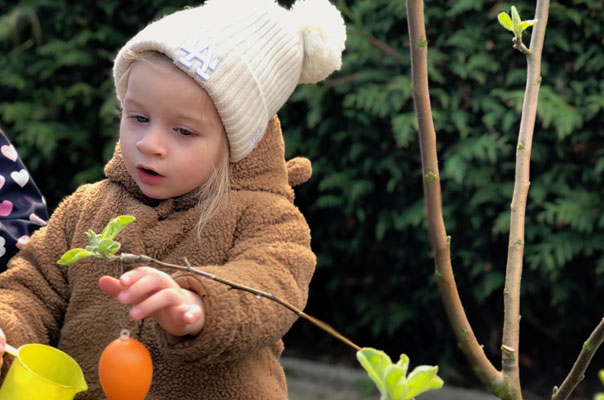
[{"x": 506, "y": 383}]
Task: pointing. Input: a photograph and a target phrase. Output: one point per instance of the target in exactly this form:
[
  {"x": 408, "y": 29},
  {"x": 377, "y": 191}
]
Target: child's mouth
[{"x": 149, "y": 177}]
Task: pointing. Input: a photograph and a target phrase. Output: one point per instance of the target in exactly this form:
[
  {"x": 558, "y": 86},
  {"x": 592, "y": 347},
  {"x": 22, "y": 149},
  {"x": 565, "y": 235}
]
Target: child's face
[{"x": 171, "y": 135}]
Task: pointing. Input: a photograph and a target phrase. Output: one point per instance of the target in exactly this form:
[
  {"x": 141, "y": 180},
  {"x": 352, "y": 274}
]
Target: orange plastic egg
[{"x": 125, "y": 369}]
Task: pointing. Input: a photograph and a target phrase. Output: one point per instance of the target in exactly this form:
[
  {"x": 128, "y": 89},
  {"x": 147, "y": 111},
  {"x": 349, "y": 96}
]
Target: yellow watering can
[{"x": 41, "y": 372}]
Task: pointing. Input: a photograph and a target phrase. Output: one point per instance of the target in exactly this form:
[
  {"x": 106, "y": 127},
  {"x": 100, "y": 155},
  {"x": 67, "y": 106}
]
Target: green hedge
[{"x": 374, "y": 279}]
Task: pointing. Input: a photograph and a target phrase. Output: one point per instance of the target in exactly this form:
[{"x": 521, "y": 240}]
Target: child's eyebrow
[
  {"x": 132, "y": 102},
  {"x": 190, "y": 118}
]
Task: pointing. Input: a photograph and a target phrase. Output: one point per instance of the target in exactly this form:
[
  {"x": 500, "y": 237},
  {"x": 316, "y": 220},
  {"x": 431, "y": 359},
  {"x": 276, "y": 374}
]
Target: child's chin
[{"x": 154, "y": 194}]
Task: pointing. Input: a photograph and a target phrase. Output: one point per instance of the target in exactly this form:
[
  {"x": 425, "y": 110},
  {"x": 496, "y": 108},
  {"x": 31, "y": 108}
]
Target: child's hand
[{"x": 155, "y": 294}]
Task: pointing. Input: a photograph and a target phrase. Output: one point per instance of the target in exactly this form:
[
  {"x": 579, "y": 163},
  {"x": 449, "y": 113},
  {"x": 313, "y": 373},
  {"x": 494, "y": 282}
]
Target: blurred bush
[{"x": 364, "y": 202}]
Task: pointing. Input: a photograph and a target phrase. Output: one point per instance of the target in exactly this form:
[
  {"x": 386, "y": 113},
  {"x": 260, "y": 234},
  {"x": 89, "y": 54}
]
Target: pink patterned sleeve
[{"x": 22, "y": 206}]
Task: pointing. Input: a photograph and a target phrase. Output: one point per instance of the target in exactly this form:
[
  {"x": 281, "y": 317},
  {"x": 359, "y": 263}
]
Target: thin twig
[
  {"x": 511, "y": 323},
  {"x": 439, "y": 240},
  {"x": 328, "y": 83},
  {"x": 577, "y": 373},
  {"x": 519, "y": 45},
  {"x": 385, "y": 47},
  {"x": 134, "y": 259}
]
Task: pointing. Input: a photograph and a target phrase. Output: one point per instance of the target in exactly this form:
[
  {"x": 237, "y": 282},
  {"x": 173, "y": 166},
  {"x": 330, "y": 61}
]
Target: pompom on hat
[{"x": 248, "y": 55}]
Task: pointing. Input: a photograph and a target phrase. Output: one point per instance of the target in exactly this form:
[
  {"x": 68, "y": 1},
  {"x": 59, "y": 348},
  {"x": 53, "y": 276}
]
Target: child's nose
[{"x": 152, "y": 142}]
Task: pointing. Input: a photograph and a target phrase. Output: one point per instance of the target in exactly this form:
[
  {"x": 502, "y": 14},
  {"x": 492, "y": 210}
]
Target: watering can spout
[
  {"x": 41, "y": 372},
  {"x": 79, "y": 386}
]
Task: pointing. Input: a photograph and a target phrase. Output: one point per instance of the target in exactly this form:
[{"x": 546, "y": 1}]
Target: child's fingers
[
  {"x": 147, "y": 282},
  {"x": 110, "y": 285},
  {"x": 130, "y": 277},
  {"x": 155, "y": 302},
  {"x": 191, "y": 314}
]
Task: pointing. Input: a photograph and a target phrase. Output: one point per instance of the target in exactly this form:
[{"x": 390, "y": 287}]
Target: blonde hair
[{"x": 215, "y": 192}]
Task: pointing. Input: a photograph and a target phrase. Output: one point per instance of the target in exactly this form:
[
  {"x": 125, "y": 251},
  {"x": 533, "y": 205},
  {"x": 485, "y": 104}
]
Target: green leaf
[
  {"x": 115, "y": 226},
  {"x": 72, "y": 256},
  {"x": 396, "y": 384},
  {"x": 516, "y": 21},
  {"x": 600, "y": 396},
  {"x": 505, "y": 21},
  {"x": 375, "y": 363},
  {"x": 422, "y": 379},
  {"x": 403, "y": 362},
  {"x": 100, "y": 245},
  {"x": 108, "y": 246},
  {"x": 92, "y": 237},
  {"x": 527, "y": 24},
  {"x": 115, "y": 246},
  {"x": 391, "y": 379}
]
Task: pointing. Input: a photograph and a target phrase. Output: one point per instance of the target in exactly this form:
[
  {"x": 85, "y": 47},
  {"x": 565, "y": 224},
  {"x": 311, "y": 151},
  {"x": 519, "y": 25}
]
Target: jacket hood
[{"x": 264, "y": 170}]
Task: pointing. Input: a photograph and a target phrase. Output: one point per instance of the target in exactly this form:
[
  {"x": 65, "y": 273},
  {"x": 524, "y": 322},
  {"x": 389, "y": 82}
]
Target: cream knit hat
[{"x": 248, "y": 55}]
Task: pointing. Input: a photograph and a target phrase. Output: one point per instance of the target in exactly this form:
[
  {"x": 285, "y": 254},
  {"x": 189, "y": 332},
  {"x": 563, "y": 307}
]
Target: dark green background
[{"x": 374, "y": 280}]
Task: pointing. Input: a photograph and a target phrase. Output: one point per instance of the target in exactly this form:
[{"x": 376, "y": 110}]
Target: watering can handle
[{"x": 11, "y": 350}]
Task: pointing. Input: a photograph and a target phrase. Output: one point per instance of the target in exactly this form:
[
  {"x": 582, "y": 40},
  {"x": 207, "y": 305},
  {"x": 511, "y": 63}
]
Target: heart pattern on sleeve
[
  {"x": 34, "y": 218},
  {"x": 22, "y": 241},
  {"x": 22, "y": 206},
  {"x": 9, "y": 152},
  {"x": 20, "y": 177},
  {"x": 6, "y": 207}
]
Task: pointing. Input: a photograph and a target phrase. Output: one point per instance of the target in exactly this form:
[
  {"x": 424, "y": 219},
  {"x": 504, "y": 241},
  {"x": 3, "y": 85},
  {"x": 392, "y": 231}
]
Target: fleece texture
[{"x": 260, "y": 239}]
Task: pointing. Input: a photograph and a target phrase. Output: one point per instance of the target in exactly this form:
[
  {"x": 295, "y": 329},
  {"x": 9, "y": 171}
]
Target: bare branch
[
  {"x": 328, "y": 83},
  {"x": 511, "y": 325},
  {"x": 134, "y": 259},
  {"x": 519, "y": 45},
  {"x": 385, "y": 47},
  {"x": 439, "y": 240},
  {"x": 577, "y": 373}
]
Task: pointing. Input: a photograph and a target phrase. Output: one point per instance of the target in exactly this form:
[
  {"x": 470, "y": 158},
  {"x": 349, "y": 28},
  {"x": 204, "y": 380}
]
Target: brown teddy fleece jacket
[{"x": 260, "y": 240}]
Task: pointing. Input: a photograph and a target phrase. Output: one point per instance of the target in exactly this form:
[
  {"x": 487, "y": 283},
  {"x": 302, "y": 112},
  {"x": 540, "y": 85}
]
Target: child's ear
[{"x": 299, "y": 170}]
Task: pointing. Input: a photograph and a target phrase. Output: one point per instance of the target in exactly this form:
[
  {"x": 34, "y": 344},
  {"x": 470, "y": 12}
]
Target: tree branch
[
  {"x": 328, "y": 83},
  {"x": 511, "y": 324},
  {"x": 385, "y": 47},
  {"x": 127, "y": 258},
  {"x": 577, "y": 373},
  {"x": 439, "y": 240},
  {"x": 519, "y": 45}
]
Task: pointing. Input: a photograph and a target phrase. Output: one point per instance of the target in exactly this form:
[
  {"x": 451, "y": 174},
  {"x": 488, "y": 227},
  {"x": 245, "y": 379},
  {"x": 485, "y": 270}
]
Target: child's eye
[
  {"x": 139, "y": 118},
  {"x": 185, "y": 132}
]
